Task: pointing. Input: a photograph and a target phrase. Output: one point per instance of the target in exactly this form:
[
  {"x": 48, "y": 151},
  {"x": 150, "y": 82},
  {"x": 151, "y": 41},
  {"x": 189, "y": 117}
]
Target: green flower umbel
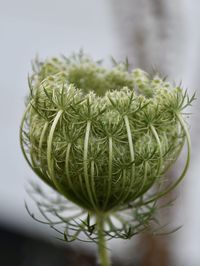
[{"x": 102, "y": 138}]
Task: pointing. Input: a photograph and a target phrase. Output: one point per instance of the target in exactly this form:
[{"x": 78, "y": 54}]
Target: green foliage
[{"x": 56, "y": 212}]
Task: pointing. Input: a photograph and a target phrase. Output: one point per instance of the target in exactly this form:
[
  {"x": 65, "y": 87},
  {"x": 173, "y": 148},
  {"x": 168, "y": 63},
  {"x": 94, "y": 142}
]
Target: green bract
[{"x": 102, "y": 137}]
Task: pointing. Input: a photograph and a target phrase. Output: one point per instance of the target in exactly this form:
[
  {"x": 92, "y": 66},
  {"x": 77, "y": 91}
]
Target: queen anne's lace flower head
[{"x": 103, "y": 138}]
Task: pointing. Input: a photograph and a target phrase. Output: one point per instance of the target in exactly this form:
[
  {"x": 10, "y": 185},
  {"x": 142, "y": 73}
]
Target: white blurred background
[{"x": 153, "y": 33}]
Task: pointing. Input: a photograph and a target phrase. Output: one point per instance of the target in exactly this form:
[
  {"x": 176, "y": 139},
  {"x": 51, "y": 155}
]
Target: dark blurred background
[{"x": 153, "y": 34}]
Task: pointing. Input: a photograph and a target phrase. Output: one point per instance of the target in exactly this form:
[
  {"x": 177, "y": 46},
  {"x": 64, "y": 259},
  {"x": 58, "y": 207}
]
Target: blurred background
[{"x": 152, "y": 34}]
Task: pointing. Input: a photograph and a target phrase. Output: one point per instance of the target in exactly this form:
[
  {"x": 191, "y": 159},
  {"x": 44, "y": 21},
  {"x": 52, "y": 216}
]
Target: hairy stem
[{"x": 102, "y": 248}]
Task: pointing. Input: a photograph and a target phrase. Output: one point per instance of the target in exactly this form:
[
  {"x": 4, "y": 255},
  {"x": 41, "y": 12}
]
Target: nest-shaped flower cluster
[{"x": 102, "y": 137}]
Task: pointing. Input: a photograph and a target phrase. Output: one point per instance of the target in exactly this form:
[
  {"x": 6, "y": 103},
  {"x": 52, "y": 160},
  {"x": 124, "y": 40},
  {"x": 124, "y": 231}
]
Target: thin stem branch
[
  {"x": 85, "y": 164},
  {"x": 132, "y": 155}
]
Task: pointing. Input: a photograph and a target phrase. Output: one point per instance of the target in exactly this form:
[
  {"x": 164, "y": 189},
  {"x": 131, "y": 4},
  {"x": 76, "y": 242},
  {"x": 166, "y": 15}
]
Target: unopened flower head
[{"x": 102, "y": 137}]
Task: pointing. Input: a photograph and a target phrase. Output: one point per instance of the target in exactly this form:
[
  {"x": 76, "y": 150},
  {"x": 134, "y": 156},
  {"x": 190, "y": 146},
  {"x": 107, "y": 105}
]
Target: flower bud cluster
[{"x": 101, "y": 137}]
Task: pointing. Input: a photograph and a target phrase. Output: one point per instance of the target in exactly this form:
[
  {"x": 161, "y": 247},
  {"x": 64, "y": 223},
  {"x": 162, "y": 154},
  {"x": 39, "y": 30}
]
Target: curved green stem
[
  {"x": 42, "y": 140},
  {"x": 50, "y": 162},
  {"x": 160, "y": 163},
  {"x": 21, "y": 135},
  {"x": 67, "y": 165},
  {"x": 132, "y": 154},
  {"x": 102, "y": 248},
  {"x": 74, "y": 193},
  {"x": 85, "y": 163},
  {"x": 93, "y": 181},
  {"x": 109, "y": 183},
  {"x": 140, "y": 191},
  {"x": 31, "y": 164},
  {"x": 182, "y": 175},
  {"x": 176, "y": 156},
  {"x": 122, "y": 195}
]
